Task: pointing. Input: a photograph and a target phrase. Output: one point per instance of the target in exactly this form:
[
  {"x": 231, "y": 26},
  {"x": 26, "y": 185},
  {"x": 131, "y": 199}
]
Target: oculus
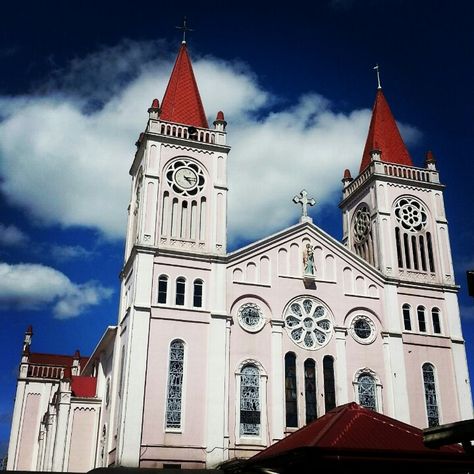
[
  {"x": 185, "y": 177},
  {"x": 411, "y": 214},
  {"x": 363, "y": 329},
  {"x": 251, "y": 317},
  {"x": 308, "y": 322}
]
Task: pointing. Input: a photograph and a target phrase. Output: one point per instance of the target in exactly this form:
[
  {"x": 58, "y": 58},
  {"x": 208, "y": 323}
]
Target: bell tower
[
  {"x": 393, "y": 212},
  {"x": 174, "y": 253}
]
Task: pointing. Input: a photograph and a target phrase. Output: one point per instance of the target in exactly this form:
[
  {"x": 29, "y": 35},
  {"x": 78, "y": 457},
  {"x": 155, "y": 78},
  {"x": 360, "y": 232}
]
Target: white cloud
[
  {"x": 65, "y": 155},
  {"x": 12, "y": 236},
  {"x": 64, "y": 253},
  {"x": 34, "y": 286}
]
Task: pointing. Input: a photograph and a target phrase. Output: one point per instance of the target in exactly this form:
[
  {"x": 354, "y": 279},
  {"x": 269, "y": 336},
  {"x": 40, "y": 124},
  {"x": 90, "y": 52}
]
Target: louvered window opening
[
  {"x": 310, "y": 390},
  {"x": 329, "y": 386},
  {"x": 291, "y": 390}
]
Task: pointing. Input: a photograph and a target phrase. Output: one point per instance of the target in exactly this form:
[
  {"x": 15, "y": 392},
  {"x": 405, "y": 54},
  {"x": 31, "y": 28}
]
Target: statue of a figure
[{"x": 308, "y": 260}]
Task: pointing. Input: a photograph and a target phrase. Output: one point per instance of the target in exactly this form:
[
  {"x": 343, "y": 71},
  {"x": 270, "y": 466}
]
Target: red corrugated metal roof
[
  {"x": 182, "y": 102},
  {"x": 351, "y": 427},
  {"x": 384, "y": 136},
  {"x": 82, "y": 386}
]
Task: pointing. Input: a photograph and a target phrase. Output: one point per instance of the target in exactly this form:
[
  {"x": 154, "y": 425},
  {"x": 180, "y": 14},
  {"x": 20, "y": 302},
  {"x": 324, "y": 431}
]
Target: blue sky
[{"x": 76, "y": 83}]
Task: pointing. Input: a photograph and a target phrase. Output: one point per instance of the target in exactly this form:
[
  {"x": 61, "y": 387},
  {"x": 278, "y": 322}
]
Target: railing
[
  {"x": 189, "y": 133},
  {"x": 45, "y": 371},
  {"x": 389, "y": 169}
]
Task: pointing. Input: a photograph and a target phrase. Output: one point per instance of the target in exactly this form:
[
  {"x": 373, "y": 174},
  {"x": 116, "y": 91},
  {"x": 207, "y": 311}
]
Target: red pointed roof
[
  {"x": 352, "y": 427},
  {"x": 384, "y": 136},
  {"x": 182, "y": 102}
]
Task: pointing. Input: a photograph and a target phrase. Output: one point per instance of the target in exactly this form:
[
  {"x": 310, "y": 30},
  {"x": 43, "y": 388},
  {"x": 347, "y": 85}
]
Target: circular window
[
  {"x": 361, "y": 223},
  {"x": 363, "y": 329},
  {"x": 185, "y": 177},
  {"x": 308, "y": 322},
  {"x": 411, "y": 214},
  {"x": 251, "y": 317}
]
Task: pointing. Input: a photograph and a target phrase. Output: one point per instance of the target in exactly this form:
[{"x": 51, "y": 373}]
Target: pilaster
[
  {"x": 278, "y": 382},
  {"x": 342, "y": 395}
]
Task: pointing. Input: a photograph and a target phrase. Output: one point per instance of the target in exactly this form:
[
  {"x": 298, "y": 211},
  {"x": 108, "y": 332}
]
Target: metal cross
[
  {"x": 305, "y": 202},
  {"x": 184, "y": 28},
  {"x": 379, "y": 85}
]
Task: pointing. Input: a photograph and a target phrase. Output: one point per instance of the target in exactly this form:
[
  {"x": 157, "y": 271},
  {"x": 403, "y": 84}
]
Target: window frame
[
  {"x": 167, "y": 428},
  {"x": 166, "y": 278},
  {"x": 378, "y": 387},
  {"x": 180, "y": 280},
  {"x": 436, "y": 392}
]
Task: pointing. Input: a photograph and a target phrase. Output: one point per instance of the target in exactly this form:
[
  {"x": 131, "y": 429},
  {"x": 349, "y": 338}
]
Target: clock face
[{"x": 185, "y": 177}]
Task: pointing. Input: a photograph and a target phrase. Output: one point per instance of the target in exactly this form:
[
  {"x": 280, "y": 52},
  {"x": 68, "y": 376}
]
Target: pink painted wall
[
  {"x": 29, "y": 432},
  {"x": 83, "y": 440}
]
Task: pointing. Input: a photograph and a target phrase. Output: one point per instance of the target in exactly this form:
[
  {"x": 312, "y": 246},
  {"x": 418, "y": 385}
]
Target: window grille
[
  {"x": 329, "y": 388},
  {"x": 366, "y": 388}
]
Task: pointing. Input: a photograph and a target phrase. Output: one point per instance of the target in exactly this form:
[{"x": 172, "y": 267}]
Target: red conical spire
[
  {"x": 384, "y": 136},
  {"x": 182, "y": 102}
]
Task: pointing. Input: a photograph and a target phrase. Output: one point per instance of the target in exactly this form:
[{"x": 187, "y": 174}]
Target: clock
[{"x": 185, "y": 177}]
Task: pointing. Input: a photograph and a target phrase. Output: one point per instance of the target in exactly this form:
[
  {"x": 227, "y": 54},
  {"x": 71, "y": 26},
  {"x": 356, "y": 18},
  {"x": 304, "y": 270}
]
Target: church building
[{"x": 220, "y": 354}]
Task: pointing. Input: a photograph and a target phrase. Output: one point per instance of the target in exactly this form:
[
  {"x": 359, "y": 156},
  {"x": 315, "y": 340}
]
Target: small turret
[
  {"x": 154, "y": 111},
  {"x": 220, "y": 124},
  {"x": 347, "y": 178},
  {"x": 430, "y": 161}
]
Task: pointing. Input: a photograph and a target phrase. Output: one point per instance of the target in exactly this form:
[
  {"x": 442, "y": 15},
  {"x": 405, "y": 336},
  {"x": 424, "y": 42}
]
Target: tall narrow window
[
  {"x": 422, "y": 253},
  {"x": 197, "y": 293},
  {"x": 162, "y": 288},
  {"x": 430, "y": 395},
  {"x": 366, "y": 389},
  {"x": 414, "y": 249},
  {"x": 329, "y": 388},
  {"x": 436, "y": 323},
  {"x": 175, "y": 385},
  {"x": 290, "y": 390},
  {"x": 180, "y": 290},
  {"x": 250, "y": 401},
  {"x": 421, "y": 319},
  {"x": 407, "y": 250},
  {"x": 310, "y": 389},
  {"x": 406, "y": 309}
]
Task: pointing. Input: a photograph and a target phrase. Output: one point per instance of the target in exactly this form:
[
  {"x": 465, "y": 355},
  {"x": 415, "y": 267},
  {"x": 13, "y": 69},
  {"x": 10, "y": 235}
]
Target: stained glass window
[
  {"x": 250, "y": 401},
  {"x": 290, "y": 390},
  {"x": 175, "y": 385},
  {"x": 430, "y": 395},
  {"x": 162, "y": 289},
  {"x": 367, "y": 391},
  {"x": 310, "y": 389}
]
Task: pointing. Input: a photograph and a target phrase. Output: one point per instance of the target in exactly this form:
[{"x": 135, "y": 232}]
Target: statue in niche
[{"x": 308, "y": 260}]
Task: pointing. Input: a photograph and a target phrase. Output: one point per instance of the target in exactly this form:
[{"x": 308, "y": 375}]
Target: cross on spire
[
  {"x": 379, "y": 85},
  {"x": 184, "y": 28},
  {"x": 305, "y": 202}
]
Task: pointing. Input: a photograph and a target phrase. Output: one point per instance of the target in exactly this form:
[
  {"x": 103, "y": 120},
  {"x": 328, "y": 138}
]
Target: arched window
[
  {"x": 310, "y": 389},
  {"x": 329, "y": 388},
  {"x": 250, "y": 401},
  {"x": 175, "y": 384},
  {"x": 436, "y": 322},
  {"x": 430, "y": 395},
  {"x": 421, "y": 319},
  {"x": 197, "y": 293},
  {"x": 162, "y": 289},
  {"x": 291, "y": 390},
  {"x": 366, "y": 390},
  {"x": 406, "y": 309},
  {"x": 180, "y": 290}
]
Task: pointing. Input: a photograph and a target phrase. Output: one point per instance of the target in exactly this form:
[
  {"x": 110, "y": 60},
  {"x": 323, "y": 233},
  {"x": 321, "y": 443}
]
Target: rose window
[
  {"x": 308, "y": 323},
  {"x": 411, "y": 215},
  {"x": 361, "y": 224},
  {"x": 251, "y": 317}
]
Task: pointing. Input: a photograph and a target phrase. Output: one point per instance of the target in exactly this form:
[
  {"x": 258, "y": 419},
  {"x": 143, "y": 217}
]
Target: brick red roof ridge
[
  {"x": 384, "y": 135},
  {"x": 182, "y": 101}
]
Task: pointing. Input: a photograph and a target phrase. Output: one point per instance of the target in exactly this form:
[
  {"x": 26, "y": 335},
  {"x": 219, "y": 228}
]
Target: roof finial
[
  {"x": 379, "y": 85},
  {"x": 184, "y": 28}
]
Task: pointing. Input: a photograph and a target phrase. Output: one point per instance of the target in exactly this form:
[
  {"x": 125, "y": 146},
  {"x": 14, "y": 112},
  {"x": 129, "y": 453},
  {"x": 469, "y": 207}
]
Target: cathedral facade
[{"x": 218, "y": 355}]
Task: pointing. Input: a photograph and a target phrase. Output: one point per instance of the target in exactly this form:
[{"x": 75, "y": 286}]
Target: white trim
[
  {"x": 437, "y": 393},
  {"x": 378, "y": 387}
]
